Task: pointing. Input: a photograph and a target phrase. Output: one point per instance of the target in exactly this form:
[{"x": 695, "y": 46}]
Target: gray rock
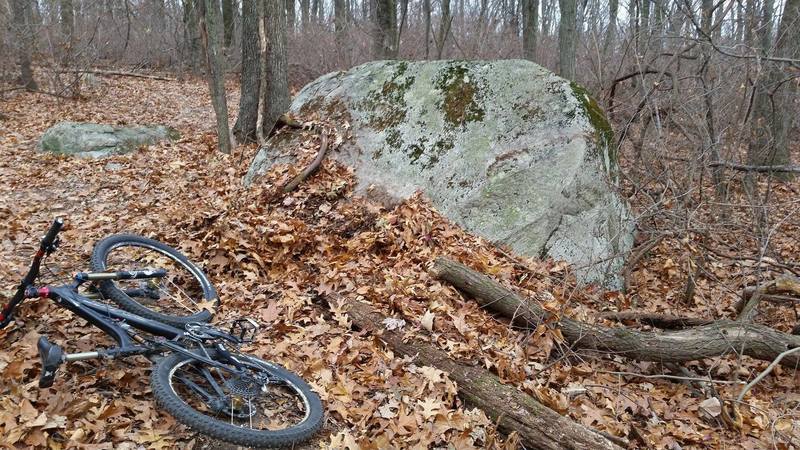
[
  {"x": 506, "y": 149},
  {"x": 90, "y": 140}
]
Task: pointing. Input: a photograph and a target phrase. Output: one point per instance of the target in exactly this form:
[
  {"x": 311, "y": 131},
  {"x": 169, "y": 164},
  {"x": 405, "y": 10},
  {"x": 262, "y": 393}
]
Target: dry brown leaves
[{"x": 274, "y": 258}]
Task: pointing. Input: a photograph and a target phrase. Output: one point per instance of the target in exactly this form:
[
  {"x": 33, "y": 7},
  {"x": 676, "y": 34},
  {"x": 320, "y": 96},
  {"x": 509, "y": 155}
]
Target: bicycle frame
[{"x": 113, "y": 321}]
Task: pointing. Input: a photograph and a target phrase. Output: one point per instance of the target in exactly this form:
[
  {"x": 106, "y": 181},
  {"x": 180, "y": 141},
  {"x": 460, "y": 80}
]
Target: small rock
[{"x": 91, "y": 140}]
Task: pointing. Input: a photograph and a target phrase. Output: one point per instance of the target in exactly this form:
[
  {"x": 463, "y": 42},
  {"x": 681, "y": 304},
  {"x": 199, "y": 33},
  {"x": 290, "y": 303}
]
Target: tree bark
[
  {"x": 23, "y": 31},
  {"x": 276, "y": 94},
  {"x": 718, "y": 338},
  {"x": 212, "y": 34},
  {"x": 513, "y": 411},
  {"x": 530, "y": 24},
  {"x": 567, "y": 38},
  {"x": 246, "y": 122}
]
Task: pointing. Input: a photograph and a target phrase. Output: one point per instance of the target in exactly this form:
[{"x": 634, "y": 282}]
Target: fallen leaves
[{"x": 277, "y": 258}]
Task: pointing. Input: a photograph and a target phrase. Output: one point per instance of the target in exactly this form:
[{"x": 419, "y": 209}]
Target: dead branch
[
  {"x": 771, "y": 292},
  {"x": 118, "y": 73},
  {"x": 514, "y": 411},
  {"x": 715, "y": 339},
  {"x": 308, "y": 171},
  {"x": 760, "y": 169},
  {"x": 663, "y": 321},
  {"x": 637, "y": 255},
  {"x": 288, "y": 121}
]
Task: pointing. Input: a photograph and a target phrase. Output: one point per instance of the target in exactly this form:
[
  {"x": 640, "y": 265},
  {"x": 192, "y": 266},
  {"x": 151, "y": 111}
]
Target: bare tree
[
  {"x": 276, "y": 92},
  {"x": 567, "y": 38},
  {"x": 191, "y": 33},
  {"x": 530, "y": 25},
  {"x": 246, "y": 122},
  {"x": 228, "y": 14},
  {"x": 67, "y": 29},
  {"x": 445, "y": 21},
  {"x": 23, "y": 31},
  {"x": 385, "y": 30},
  {"x": 773, "y": 110},
  {"x": 212, "y": 34}
]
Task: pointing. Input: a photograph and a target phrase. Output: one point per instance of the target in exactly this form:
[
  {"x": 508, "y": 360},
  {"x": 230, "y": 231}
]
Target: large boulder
[
  {"x": 91, "y": 140},
  {"x": 506, "y": 149}
]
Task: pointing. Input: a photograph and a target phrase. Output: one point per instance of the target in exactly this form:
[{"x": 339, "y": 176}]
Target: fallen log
[
  {"x": 715, "y": 339},
  {"x": 514, "y": 411}
]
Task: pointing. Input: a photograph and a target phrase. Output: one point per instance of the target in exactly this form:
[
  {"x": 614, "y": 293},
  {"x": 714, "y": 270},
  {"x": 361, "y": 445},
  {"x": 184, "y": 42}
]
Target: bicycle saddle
[{"x": 52, "y": 356}]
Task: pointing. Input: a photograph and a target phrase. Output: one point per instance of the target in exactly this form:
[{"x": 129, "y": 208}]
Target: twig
[
  {"x": 672, "y": 377},
  {"x": 292, "y": 185},
  {"x": 637, "y": 255},
  {"x": 766, "y": 372}
]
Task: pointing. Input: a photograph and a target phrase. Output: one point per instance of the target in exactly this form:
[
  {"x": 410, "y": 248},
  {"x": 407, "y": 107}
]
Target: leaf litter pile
[{"x": 291, "y": 262}]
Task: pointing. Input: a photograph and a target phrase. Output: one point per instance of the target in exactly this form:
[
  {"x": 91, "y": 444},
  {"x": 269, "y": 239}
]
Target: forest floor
[{"x": 272, "y": 257}]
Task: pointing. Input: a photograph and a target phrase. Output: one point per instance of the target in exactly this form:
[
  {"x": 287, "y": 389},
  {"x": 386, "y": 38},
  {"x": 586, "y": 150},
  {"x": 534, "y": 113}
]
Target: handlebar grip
[{"x": 50, "y": 237}]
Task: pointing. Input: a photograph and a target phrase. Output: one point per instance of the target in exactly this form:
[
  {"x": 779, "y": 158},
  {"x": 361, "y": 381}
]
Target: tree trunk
[
  {"x": 530, "y": 24},
  {"x": 426, "y": 11},
  {"x": 23, "y": 30},
  {"x": 711, "y": 140},
  {"x": 339, "y": 25},
  {"x": 246, "y": 122},
  {"x": 212, "y": 34},
  {"x": 228, "y": 13},
  {"x": 773, "y": 110},
  {"x": 276, "y": 94},
  {"x": 304, "y": 13},
  {"x": 716, "y": 339},
  {"x": 513, "y": 411},
  {"x": 444, "y": 28},
  {"x": 191, "y": 33},
  {"x": 67, "y": 13},
  {"x": 290, "y": 15},
  {"x": 567, "y": 38},
  {"x": 385, "y": 30},
  {"x": 611, "y": 31}
]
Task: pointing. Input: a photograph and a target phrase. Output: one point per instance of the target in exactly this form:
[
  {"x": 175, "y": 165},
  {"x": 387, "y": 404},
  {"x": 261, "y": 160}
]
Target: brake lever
[{"x": 53, "y": 247}]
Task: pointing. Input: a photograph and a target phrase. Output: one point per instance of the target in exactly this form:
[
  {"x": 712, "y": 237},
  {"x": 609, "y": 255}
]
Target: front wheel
[
  {"x": 184, "y": 295},
  {"x": 259, "y": 404}
]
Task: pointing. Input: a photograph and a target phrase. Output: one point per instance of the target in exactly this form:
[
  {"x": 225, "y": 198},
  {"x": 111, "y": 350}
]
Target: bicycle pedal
[{"x": 52, "y": 356}]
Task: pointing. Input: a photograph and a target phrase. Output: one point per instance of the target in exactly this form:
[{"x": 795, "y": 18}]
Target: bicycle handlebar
[
  {"x": 50, "y": 237},
  {"x": 45, "y": 247}
]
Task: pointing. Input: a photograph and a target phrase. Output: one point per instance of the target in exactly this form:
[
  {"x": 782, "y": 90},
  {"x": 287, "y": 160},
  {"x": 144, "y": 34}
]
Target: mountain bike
[{"x": 200, "y": 376}]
